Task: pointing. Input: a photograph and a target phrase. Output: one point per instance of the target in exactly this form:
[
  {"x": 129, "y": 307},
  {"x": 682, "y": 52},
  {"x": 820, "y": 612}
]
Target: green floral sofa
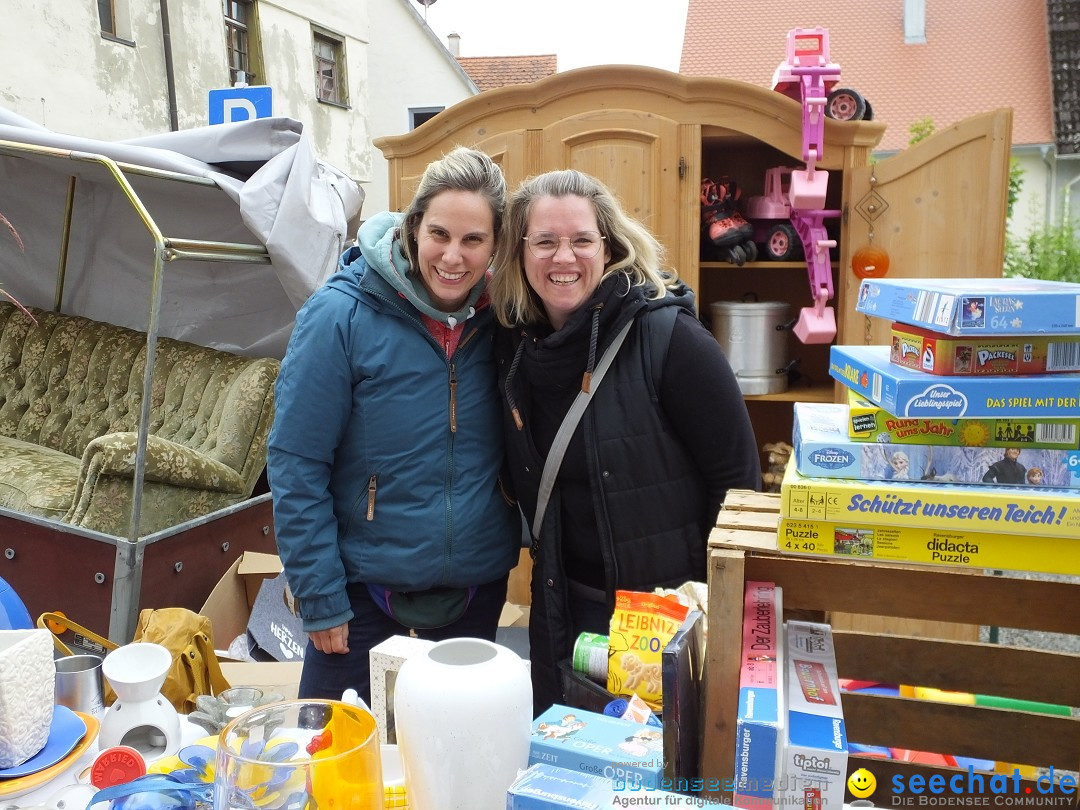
[{"x": 70, "y": 397}]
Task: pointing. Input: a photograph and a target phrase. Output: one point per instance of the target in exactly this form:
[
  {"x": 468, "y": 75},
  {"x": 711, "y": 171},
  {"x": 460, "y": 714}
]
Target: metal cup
[{"x": 79, "y": 685}]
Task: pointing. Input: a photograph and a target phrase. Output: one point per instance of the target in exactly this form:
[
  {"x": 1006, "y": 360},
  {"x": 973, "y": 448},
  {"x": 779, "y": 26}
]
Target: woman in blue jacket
[{"x": 386, "y": 447}]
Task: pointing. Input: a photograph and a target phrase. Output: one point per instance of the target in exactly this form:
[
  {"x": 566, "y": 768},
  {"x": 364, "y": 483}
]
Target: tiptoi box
[
  {"x": 759, "y": 728},
  {"x": 822, "y": 449},
  {"x": 868, "y": 422},
  {"x": 909, "y": 393},
  {"x": 599, "y": 744},
  {"x": 545, "y": 787},
  {"x": 814, "y": 766},
  {"x": 1029, "y": 511},
  {"x": 939, "y": 353},
  {"x": 975, "y": 306}
]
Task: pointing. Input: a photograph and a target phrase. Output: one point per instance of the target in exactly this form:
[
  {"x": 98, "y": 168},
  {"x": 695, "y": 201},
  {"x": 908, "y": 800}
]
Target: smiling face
[
  {"x": 861, "y": 783},
  {"x": 454, "y": 243},
  {"x": 564, "y": 281}
]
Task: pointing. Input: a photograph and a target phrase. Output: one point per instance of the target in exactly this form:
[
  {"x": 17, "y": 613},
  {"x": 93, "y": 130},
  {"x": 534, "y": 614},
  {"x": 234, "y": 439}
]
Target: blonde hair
[
  {"x": 460, "y": 169},
  {"x": 635, "y": 252}
]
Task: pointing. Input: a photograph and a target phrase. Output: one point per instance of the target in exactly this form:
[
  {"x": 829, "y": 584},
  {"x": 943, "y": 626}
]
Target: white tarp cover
[{"x": 268, "y": 188}]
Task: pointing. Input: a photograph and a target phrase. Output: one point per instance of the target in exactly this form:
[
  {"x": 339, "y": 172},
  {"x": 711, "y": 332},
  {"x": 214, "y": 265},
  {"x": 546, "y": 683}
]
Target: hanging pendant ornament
[{"x": 870, "y": 261}]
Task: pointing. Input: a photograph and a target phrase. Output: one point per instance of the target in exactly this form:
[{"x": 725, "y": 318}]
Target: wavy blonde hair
[{"x": 635, "y": 252}]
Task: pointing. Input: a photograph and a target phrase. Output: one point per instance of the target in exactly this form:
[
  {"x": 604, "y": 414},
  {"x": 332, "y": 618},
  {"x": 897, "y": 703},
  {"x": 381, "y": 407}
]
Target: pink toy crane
[{"x": 810, "y": 77}]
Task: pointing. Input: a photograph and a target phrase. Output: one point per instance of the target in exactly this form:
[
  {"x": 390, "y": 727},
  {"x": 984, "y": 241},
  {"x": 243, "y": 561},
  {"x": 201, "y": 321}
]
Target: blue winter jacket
[{"x": 384, "y": 455}]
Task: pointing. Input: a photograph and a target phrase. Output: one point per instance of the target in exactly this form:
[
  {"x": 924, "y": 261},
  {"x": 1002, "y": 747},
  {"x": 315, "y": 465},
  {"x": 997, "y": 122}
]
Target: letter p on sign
[{"x": 240, "y": 104}]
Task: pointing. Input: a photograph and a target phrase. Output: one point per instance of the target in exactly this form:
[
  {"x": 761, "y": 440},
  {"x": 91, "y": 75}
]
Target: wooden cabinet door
[
  {"x": 937, "y": 209},
  {"x": 510, "y": 149},
  {"x": 636, "y": 155}
]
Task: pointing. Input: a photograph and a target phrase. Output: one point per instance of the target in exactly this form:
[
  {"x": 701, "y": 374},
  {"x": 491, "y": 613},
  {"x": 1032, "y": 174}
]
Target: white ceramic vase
[
  {"x": 463, "y": 713},
  {"x": 27, "y": 693}
]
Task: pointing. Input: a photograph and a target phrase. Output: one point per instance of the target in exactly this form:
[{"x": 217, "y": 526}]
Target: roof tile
[
  {"x": 489, "y": 72},
  {"x": 979, "y": 55}
]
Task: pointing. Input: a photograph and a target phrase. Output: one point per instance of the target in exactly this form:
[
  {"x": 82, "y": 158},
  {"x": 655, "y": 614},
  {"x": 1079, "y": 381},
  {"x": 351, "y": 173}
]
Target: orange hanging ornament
[{"x": 870, "y": 262}]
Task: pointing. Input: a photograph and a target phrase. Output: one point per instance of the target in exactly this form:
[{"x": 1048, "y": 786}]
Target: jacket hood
[{"x": 381, "y": 248}]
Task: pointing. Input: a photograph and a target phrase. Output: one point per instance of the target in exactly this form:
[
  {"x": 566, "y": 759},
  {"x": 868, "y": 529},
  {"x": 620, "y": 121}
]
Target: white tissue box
[{"x": 385, "y": 660}]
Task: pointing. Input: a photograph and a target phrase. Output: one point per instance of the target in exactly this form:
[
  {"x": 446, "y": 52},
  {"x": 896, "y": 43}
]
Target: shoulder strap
[
  {"x": 659, "y": 325},
  {"x": 566, "y": 429},
  {"x": 58, "y": 623}
]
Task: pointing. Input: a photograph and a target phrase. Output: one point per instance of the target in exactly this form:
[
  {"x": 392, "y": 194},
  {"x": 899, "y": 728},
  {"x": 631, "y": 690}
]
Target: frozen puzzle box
[{"x": 824, "y": 450}]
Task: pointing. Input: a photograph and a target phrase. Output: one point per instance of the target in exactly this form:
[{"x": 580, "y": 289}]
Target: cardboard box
[
  {"x": 938, "y": 353},
  {"x": 814, "y": 770},
  {"x": 759, "y": 728},
  {"x": 281, "y": 677},
  {"x": 908, "y": 393},
  {"x": 974, "y": 306},
  {"x": 868, "y": 422},
  {"x": 599, "y": 744},
  {"x": 544, "y": 787},
  {"x": 902, "y": 543},
  {"x": 229, "y": 608},
  {"x": 822, "y": 449},
  {"x": 1022, "y": 511},
  {"x": 229, "y": 605}
]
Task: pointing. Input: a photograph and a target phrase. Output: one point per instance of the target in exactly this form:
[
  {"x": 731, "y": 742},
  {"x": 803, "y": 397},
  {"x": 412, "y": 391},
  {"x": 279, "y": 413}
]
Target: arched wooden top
[{"x": 732, "y": 107}]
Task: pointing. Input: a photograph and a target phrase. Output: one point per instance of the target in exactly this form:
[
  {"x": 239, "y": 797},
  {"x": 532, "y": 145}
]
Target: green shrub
[{"x": 1051, "y": 251}]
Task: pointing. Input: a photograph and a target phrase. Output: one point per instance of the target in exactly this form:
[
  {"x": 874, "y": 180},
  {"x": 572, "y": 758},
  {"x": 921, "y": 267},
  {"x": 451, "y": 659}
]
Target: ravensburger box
[
  {"x": 814, "y": 766},
  {"x": 599, "y": 744}
]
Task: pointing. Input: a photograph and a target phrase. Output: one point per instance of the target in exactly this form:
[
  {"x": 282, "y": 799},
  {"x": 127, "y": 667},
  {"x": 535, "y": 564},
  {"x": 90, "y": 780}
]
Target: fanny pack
[{"x": 423, "y": 610}]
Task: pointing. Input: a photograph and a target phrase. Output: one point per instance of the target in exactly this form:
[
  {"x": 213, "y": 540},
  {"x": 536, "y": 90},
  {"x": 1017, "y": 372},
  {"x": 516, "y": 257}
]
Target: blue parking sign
[{"x": 241, "y": 104}]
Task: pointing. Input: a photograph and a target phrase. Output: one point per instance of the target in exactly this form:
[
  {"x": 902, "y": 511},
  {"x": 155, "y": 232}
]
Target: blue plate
[{"x": 64, "y": 734}]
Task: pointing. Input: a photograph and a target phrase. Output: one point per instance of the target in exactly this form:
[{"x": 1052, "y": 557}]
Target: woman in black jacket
[{"x": 666, "y": 432}]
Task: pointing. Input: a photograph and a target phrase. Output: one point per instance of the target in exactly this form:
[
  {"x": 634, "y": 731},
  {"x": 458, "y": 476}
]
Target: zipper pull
[
  {"x": 453, "y": 398},
  {"x": 371, "y": 497}
]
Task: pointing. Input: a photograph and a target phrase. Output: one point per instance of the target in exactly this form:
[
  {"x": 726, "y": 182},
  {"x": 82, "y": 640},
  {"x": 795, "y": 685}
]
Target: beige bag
[{"x": 187, "y": 635}]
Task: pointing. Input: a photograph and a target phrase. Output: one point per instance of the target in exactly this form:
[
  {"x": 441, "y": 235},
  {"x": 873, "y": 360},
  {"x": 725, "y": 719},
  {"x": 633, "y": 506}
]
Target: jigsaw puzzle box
[
  {"x": 975, "y": 306},
  {"x": 759, "y": 728},
  {"x": 952, "y": 507},
  {"x": 908, "y": 393},
  {"x": 868, "y": 422},
  {"x": 915, "y": 544},
  {"x": 938, "y": 353},
  {"x": 599, "y": 744},
  {"x": 822, "y": 449},
  {"x": 814, "y": 761}
]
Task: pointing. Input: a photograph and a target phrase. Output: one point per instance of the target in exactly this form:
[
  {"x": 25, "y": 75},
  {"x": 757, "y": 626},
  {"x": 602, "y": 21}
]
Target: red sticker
[{"x": 117, "y": 766}]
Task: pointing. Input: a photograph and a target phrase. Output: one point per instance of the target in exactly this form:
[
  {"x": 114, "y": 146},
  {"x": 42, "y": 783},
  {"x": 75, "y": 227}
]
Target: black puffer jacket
[{"x": 648, "y": 466}]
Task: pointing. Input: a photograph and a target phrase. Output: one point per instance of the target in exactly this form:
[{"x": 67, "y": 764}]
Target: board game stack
[{"x": 940, "y": 457}]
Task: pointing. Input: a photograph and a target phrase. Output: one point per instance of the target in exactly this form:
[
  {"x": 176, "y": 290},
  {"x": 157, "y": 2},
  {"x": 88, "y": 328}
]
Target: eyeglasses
[{"x": 544, "y": 245}]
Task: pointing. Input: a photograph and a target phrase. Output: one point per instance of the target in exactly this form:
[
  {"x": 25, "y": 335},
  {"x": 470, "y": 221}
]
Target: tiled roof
[
  {"x": 979, "y": 55},
  {"x": 489, "y": 72}
]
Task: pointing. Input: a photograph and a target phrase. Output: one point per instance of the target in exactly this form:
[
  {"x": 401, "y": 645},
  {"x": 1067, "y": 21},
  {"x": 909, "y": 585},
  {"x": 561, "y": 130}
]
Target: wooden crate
[{"x": 887, "y": 597}]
